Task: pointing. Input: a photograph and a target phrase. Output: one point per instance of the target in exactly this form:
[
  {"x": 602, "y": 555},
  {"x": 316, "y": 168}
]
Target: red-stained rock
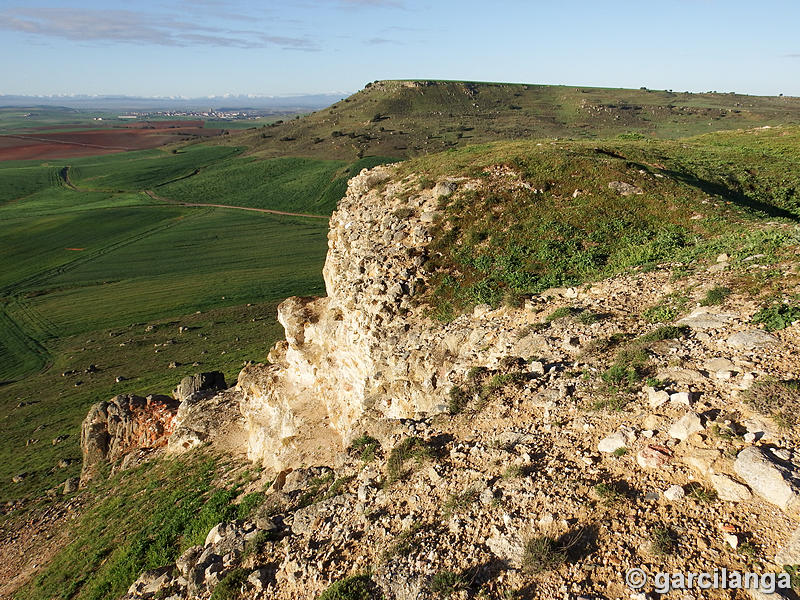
[{"x": 122, "y": 425}]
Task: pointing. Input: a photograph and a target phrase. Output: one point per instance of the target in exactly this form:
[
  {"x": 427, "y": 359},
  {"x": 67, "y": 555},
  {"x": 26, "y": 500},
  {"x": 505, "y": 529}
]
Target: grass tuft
[
  {"x": 777, "y": 399},
  {"x": 410, "y": 448}
]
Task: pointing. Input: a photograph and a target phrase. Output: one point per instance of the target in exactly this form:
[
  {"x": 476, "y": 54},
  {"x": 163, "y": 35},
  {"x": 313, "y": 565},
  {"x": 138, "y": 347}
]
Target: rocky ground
[
  {"x": 539, "y": 451},
  {"x": 679, "y": 475}
]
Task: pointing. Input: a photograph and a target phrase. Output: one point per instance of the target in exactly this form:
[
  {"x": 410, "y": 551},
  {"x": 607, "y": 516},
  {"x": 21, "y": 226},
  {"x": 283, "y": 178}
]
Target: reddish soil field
[{"x": 69, "y": 144}]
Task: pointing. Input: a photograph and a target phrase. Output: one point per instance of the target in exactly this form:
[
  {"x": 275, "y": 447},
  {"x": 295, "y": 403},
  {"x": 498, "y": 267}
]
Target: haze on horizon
[{"x": 196, "y": 48}]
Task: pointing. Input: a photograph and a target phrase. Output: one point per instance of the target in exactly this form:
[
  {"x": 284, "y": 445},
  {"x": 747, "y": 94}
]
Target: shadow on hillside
[
  {"x": 737, "y": 197},
  {"x": 709, "y": 187}
]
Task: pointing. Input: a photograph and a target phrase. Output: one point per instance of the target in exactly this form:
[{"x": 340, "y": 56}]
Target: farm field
[
  {"x": 68, "y": 144},
  {"x": 86, "y": 271}
]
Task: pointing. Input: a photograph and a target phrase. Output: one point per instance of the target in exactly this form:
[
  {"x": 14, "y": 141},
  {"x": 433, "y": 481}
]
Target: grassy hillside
[
  {"x": 407, "y": 118},
  {"x": 548, "y": 215}
]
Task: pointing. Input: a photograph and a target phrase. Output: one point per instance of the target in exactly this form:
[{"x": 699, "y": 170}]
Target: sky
[{"x": 196, "y": 48}]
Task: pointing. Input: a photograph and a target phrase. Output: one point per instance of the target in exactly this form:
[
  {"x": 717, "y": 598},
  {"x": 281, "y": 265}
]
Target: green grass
[
  {"x": 366, "y": 446},
  {"x": 411, "y": 448},
  {"x": 141, "y": 519},
  {"x": 229, "y": 587},
  {"x": 355, "y": 587},
  {"x": 497, "y": 240},
  {"x": 610, "y": 493},
  {"x": 543, "y": 553},
  {"x": 460, "y": 502},
  {"x": 447, "y": 583},
  {"x": 777, "y": 316},
  {"x": 663, "y": 541},
  {"x": 715, "y": 295},
  {"x": 85, "y": 271},
  {"x": 136, "y": 171},
  {"x": 289, "y": 184}
]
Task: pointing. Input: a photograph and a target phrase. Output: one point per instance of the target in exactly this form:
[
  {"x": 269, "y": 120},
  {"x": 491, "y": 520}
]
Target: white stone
[
  {"x": 656, "y": 398},
  {"x": 705, "y": 317},
  {"x": 753, "y": 338},
  {"x": 611, "y": 443},
  {"x": 674, "y": 492},
  {"x": 732, "y": 540},
  {"x": 768, "y": 480},
  {"x": 685, "y": 426},
  {"x": 684, "y": 398},
  {"x": 789, "y": 554},
  {"x": 729, "y": 490}
]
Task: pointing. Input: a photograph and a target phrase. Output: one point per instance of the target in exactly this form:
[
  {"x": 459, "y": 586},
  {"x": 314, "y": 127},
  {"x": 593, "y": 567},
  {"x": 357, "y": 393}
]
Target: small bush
[
  {"x": 457, "y": 400},
  {"x": 542, "y": 554},
  {"x": 588, "y": 317},
  {"x": 665, "y": 332},
  {"x": 777, "y": 316},
  {"x": 230, "y": 586},
  {"x": 663, "y": 541},
  {"x": 660, "y": 313},
  {"x": 778, "y": 399},
  {"x": 446, "y": 583},
  {"x": 404, "y": 543},
  {"x": 410, "y": 448},
  {"x": 513, "y": 471},
  {"x": 561, "y": 313},
  {"x": 619, "y": 452},
  {"x": 366, "y": 446},
  {"x": 715, "y": 295},
  {"x": 610, "y": 493},
  {"x": 460, "y": 502},
  {"x": 620, "y": 376},
  {"x": 701, "y": 493},
  {"x": 356, "y": 587}
]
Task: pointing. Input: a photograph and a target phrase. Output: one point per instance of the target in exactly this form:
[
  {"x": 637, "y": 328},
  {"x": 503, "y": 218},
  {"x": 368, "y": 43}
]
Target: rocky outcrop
[
  {"x": 208, "y": 416},
  {"x": 126, "y": 423},
  {"x": 365, "y": 350}
]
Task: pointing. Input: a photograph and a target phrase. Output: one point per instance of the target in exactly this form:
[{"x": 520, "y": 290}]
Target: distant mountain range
[{"x": 305, "y": 102}]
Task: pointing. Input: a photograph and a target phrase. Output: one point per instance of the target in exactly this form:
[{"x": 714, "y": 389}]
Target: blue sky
[{"x": 276, "y": 47}]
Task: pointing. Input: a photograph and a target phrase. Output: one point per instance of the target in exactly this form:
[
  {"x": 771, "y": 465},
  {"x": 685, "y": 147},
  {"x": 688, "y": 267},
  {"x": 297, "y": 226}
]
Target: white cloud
[{"x": 124, "y": 26}]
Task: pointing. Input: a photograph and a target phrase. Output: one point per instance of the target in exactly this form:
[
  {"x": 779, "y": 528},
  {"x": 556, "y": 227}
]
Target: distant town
[{"x": 228, "y": 115}]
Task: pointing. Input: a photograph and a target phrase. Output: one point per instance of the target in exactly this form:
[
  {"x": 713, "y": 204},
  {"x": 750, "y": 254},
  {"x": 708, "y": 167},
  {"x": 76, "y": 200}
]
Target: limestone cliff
[{"x": 364, "y": 350}]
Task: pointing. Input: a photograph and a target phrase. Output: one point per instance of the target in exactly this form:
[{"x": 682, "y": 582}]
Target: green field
[{"x": 85, "y": 271}]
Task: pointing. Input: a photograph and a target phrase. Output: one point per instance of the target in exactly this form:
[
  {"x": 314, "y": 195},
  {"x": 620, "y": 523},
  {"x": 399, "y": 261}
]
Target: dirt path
[{"x": 155, "y": 196}]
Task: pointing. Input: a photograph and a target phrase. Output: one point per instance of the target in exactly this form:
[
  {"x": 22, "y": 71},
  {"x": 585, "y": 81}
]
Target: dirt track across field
[{"x": 155, "y": 196}]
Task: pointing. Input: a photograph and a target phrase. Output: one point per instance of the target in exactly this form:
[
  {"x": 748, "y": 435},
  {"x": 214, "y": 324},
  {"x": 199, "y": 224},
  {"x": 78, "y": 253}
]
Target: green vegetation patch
[
  {"x": 411, "y": 448},
  {"x": 777, "y": 316},
  {"x": 302, "y": 185},
  {"x": 141, "y": 519},
  {"x": 543, "y": 553},
  {"x": 355, "y": 587},
  {"x": 551, "y": 214}
]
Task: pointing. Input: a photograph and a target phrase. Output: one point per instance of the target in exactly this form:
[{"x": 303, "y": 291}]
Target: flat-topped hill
[{"x": 408, "y": 118}]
